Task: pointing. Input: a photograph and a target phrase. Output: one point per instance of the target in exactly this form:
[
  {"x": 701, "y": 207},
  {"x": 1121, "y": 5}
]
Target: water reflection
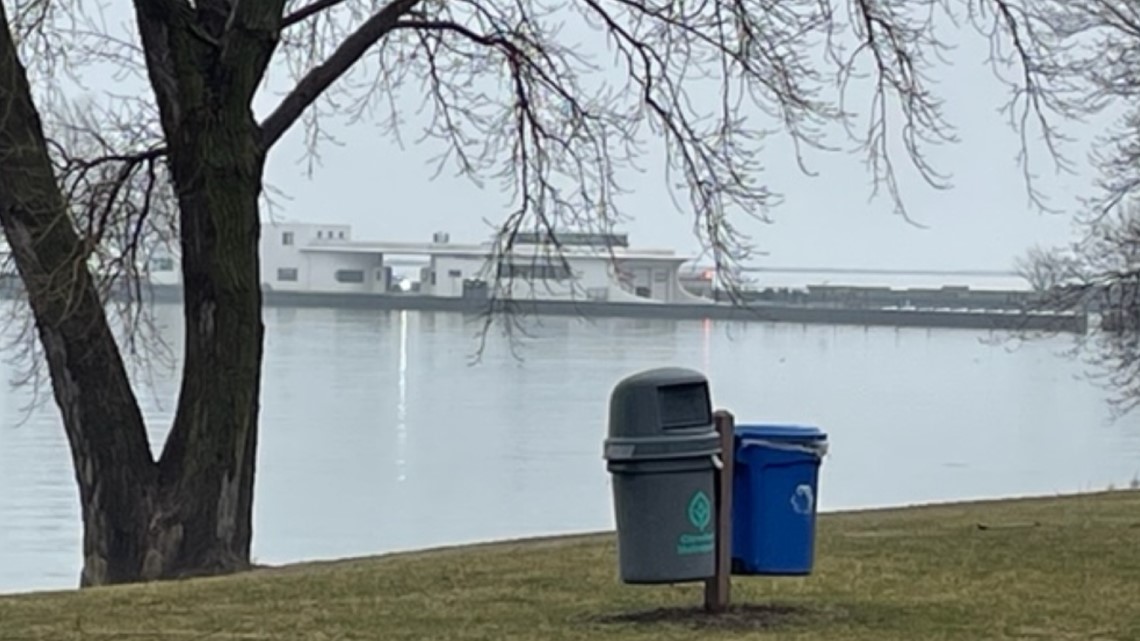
[
  {"x": 402, "y": 402},
  {"x": 706, "y": 343}
]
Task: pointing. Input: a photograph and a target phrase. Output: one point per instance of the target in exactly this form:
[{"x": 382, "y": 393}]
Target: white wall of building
[
  {"x": 594, "y": 278},
  {"x": 447, "y": 273},
  {"x": 650, "y": 279},
  {"x": 292, "y": 260},
  {"x": 340, "y": 272},
  {"x": 163, "y": 267},
  {"x": 317, "y": 258}
]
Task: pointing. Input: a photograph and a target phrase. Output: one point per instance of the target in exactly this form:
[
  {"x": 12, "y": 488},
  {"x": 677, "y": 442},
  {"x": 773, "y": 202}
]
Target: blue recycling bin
[{"x": 774, "y": 488}]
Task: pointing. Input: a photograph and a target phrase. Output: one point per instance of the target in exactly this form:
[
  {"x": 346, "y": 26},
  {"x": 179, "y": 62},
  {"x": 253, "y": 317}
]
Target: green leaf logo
[{"x": 700, "y": 510}]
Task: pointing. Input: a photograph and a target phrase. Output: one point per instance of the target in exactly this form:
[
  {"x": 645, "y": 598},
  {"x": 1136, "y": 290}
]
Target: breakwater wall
[
  {"x": 1008, "y": 320},
  {"x": 997, "y": 320}
]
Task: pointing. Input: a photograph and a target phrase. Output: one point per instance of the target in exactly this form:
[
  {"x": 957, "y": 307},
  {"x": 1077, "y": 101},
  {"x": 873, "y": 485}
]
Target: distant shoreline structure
[
  {"x": 595, "y": 275},
  {"x": 962, "y": 319}
]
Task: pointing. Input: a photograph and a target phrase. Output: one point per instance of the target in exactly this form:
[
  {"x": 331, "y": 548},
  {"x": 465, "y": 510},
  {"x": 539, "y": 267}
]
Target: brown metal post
[{"x": 718, "y": 588}]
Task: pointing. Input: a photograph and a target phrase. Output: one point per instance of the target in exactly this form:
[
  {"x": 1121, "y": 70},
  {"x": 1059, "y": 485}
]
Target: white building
[
  {"x": 159, "y": 265},
  {"x": 321, "y": 258}
]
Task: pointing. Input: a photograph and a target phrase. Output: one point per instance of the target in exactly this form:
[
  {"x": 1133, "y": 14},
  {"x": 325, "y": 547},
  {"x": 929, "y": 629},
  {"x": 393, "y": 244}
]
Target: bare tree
[
  {"x": 1092, "y": 67},
  {"x": 1045, "y": 270},
  {"x": 1099, "y": 60},
  {"x": 1101, "y": 272},
  {"x": 513, "y": 94}
]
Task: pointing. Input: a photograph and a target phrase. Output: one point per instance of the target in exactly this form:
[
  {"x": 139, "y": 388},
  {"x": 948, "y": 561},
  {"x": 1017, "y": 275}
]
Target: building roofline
[{"x": 485, "y": 251}]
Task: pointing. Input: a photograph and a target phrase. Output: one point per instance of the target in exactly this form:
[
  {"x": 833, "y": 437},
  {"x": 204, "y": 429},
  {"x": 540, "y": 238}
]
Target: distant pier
[
  {"x": 995, "y": 320},
  {"x": 946, "y": 308}
]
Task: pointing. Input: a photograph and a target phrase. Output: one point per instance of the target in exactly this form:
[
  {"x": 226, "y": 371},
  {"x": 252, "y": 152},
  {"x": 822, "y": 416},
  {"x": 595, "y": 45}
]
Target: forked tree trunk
[
  {"x": 202, "y": 510},
  {"x": 207, "y": 467},
  {"x": 199, "y": 506},
  {"x": 189, "y": 513}
]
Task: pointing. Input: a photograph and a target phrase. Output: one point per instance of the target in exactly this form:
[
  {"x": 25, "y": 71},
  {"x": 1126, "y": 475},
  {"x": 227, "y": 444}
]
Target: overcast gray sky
[{"x": 984, "y": 222}]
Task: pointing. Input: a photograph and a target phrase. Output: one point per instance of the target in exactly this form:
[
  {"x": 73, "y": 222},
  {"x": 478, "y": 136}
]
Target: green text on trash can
[{"x": 700, "y": 515}]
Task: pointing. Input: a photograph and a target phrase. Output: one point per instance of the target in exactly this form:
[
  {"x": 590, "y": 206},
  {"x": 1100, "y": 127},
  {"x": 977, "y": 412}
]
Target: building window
[
  {"x": 340, "y": 235},
  {"x": 455, "y": 273},
  {"x": 162, "y": 264},
  {"x": 287, "y": 274},
  {"x": 433, "y": 277},
  {"x": 537, "y": 271},
  {"x": 349, "y": 276},
  {"x": 320, "y": 234},
  {"x": 287, "y": 238}
]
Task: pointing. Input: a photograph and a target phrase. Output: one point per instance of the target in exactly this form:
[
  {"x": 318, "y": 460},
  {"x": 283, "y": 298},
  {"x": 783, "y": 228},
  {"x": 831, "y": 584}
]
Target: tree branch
[
  {"x": 248, "y": 42},
  {"x": 321, "y": 77},
  {"x": 77, "y": 340},
  {"x": 455, "y": 27},
  {"x": 157, "y": 21},
  {"x": 307, "y": 11},
  {"x": 167, "y": 12}
]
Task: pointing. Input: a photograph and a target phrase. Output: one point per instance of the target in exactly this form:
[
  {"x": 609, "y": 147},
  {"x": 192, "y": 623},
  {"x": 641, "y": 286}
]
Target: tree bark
[
  {"x": 101, "y": 417},
  {"x": 190, "y": 512},
  {"x": 207, "y": 466},
  {"x": 204, "y": 94}
]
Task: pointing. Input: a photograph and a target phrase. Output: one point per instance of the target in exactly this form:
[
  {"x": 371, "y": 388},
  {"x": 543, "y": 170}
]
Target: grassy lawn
[{"x": 1057, "y": 568}]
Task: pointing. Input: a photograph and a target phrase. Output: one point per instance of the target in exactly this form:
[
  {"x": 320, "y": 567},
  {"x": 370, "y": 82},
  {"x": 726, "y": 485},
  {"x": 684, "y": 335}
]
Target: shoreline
[
  {"x": 543, "y": 541},
  {"x": 1049, "y": 568},
  {"x": 951, "y": 309},
  {"x": 927, "y": 318}
]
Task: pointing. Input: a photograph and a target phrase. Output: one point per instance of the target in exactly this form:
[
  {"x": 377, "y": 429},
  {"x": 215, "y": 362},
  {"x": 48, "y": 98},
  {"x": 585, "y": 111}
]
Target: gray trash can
[{"x": 663, "y": 453}]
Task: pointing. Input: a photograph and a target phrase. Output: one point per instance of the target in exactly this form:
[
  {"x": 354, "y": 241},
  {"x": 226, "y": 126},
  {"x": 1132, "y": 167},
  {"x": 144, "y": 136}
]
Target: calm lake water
[{"x": 378, "y": 434}]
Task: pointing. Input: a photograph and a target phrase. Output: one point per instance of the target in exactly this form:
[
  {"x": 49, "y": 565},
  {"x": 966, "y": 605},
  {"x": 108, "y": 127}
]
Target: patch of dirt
[{"x": 738, "y": 617}]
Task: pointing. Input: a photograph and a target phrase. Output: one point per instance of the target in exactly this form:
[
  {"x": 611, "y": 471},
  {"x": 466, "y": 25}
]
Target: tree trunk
[
  {"x": 190, "y": 512},
  {"x": 207, "y": 467},
  {"x": 104, "y": 426}
]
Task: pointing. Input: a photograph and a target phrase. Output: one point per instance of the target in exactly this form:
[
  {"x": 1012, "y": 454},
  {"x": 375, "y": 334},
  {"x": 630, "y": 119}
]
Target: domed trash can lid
[{"x": 659, "y": 414}]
